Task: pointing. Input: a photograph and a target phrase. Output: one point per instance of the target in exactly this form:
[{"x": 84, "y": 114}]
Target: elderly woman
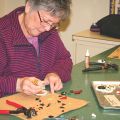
[{"x": 31, "y": 49}]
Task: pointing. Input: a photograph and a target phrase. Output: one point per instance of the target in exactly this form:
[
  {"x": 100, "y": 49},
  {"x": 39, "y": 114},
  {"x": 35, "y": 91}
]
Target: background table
[
  {"x": 93, "y": 41},
  {"x": 83, "y": 81}
]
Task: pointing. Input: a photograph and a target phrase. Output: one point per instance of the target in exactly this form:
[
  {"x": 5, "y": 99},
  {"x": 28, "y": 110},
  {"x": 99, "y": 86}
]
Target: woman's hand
[
  {"x": 29, "y": 85},
  {"x": 54, "y": 81}
]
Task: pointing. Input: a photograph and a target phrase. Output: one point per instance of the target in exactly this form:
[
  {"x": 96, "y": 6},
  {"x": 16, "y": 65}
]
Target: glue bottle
[{"x": 87, "y": 59}]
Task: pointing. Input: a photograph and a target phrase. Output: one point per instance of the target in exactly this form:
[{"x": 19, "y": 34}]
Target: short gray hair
[{"x": 59, "y": 8}]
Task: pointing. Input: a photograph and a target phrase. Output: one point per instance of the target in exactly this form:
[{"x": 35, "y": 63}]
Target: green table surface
[{"x": 83, "y": 81}]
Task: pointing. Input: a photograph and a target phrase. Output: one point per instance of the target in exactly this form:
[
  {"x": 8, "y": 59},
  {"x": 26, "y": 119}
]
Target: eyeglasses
[{"x": 46, "y": 22}]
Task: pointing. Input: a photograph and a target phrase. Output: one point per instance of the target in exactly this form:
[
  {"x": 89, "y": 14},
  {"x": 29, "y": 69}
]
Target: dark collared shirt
[{"x": 18, "y": 58}]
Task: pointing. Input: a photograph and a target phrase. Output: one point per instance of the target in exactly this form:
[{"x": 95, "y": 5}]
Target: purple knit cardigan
[{"x": 18, "y": 58}]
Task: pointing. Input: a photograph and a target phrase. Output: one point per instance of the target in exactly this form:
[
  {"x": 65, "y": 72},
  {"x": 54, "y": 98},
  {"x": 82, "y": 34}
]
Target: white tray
[{"x": 107, "y": 93}]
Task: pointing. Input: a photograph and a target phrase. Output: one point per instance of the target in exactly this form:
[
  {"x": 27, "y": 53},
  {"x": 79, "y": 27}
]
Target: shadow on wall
[{"x": 64, "y": 24}]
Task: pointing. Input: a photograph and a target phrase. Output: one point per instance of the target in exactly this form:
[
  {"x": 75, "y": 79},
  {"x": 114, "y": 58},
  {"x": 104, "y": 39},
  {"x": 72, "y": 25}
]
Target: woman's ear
[{"x": 27, "y": 7}]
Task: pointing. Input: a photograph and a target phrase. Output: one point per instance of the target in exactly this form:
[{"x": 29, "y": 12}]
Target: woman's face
[{"x": 36, "y": 22}]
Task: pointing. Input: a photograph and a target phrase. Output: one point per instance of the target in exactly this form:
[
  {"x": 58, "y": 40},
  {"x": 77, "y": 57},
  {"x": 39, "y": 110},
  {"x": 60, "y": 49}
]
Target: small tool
[
  {"x": 94, "y": 66},
  {"x": 20, "y": 109}
]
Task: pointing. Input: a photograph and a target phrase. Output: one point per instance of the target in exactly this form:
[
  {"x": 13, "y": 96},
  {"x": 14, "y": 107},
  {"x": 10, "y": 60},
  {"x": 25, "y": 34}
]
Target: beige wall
[
  {"x": 2, "y": 6},
  {"x": 84, "y": 13},
  {"x": 8, "y": 5}
]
